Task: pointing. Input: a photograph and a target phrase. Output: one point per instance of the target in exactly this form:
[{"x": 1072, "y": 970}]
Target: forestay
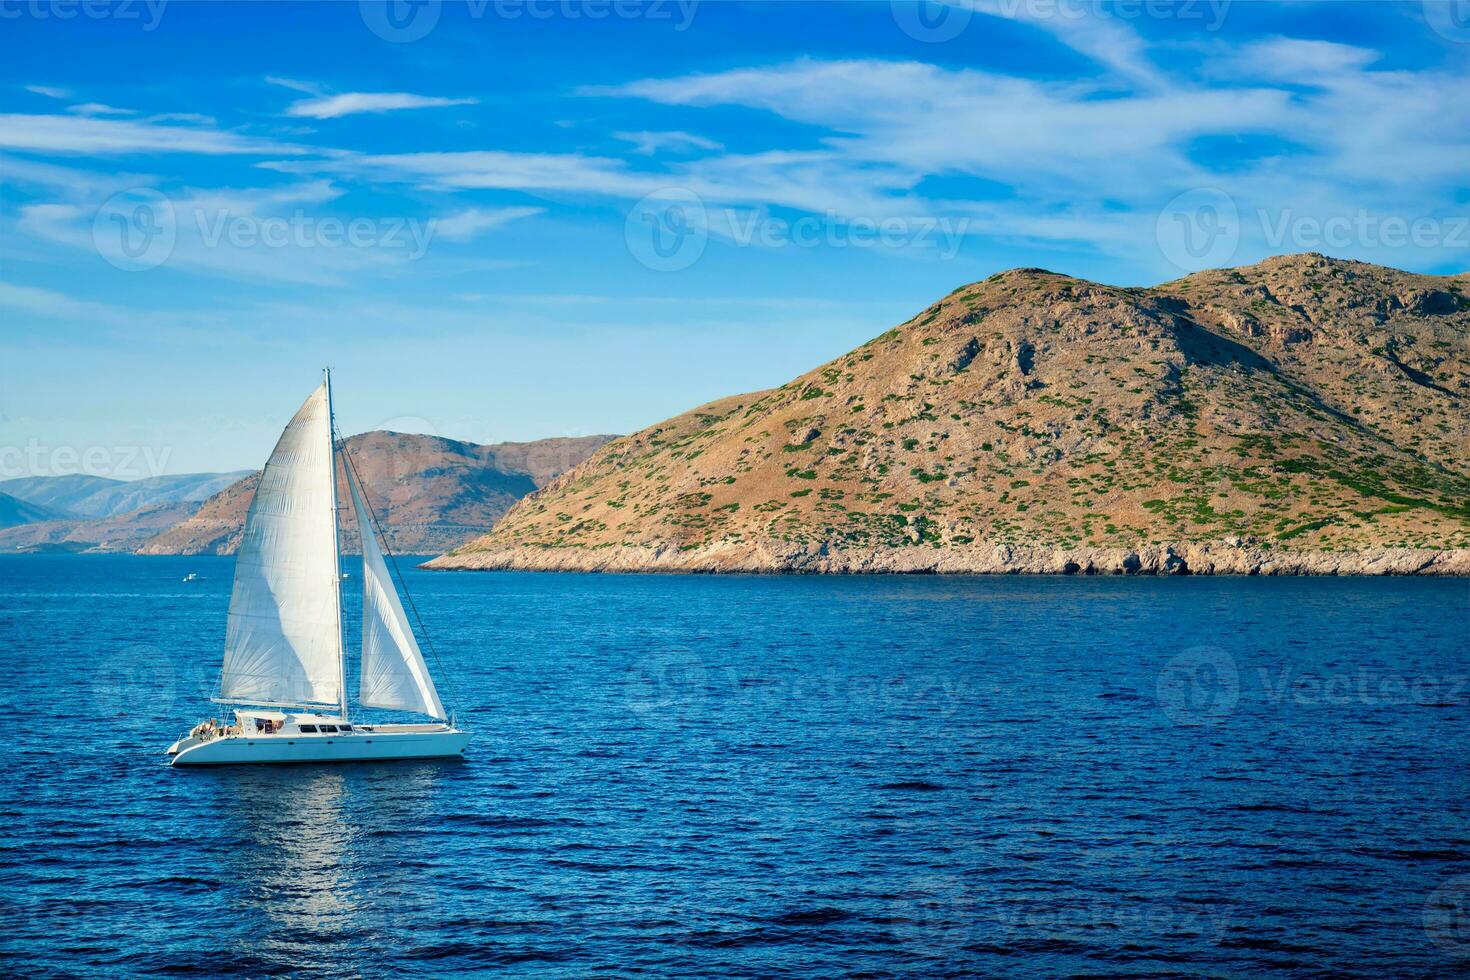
[
  {"x": 394, "y": 674},
  {"x": 284, "y": 633}
]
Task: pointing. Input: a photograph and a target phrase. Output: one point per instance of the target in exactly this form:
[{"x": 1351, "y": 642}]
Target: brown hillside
[
  {"x": 118, "y": 533},
  {"x": 430, "y": 493},
  {"x": 1301, "y": 415}
]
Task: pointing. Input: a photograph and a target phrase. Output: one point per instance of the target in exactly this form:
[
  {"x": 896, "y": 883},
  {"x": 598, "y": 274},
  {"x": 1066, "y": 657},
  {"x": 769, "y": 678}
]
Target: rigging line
[{"x": 393, "y": 560}]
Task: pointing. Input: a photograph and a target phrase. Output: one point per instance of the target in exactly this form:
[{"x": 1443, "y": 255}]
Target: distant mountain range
[
  {"x": 15, "y": 510},
  {"x": 79, "y": 495},
  {"x": 1302, "y": 415},
  {"x": 430, "y": 493}
]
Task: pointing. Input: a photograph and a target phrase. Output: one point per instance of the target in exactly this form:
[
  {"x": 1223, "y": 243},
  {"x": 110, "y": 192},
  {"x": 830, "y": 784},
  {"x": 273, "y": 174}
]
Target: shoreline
[{"x": 1216, "y": 558}]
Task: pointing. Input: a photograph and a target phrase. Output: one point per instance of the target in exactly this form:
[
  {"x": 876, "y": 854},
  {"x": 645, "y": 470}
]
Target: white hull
[{"x": 384, "y": 742}]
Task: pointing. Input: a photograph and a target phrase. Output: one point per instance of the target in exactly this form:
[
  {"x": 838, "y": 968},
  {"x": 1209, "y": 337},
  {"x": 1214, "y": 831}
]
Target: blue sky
[{"x": 522, "y": 219}]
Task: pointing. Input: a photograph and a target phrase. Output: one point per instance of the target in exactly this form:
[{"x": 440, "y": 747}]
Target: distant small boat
[
  {"x": 192, "y": 577},
  {"x": 284, "y": 651}
]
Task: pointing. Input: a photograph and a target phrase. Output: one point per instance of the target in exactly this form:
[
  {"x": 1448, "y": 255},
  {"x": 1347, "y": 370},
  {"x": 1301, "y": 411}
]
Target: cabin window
[
  {"x": 329, "y": 728},
  {"x": 308, "y": 728},
  {"x": 344, "y": 728}
]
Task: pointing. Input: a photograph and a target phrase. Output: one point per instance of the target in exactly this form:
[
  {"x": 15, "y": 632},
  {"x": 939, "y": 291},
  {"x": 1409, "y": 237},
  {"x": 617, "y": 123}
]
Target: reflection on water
[{"x": 315, "y": 869}]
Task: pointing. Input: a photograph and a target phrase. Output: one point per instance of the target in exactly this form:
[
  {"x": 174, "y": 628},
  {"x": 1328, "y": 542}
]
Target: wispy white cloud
[
  {"x": 351, "y": 103},
  {"x": 1294, "y": 60},
  {"x": 489, "y": 170},
  {"x": 248, "y": 234},
  {"x": 71, "y": 182},
  {"x": 649, "y": 143},
  {"x": 99, "y": 109},
  {"x": 1090, "y": 30},
  {"x": 463, "y": 226},
  {"x": 920, "y": 119},
  {"x": 1090, "y": 162},
  {"x": 44, "y": 302},
  {"x": 183, "y": 117},
  {"x": 808, "y": 180},
  {"x": 108, "y": 137},
  {"x": 50, "y": 91},
  {"x": 1040, "y": 160},
  {"x": 295, "y": 84}
]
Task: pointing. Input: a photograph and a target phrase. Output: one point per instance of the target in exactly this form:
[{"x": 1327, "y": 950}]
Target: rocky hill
[
  {"x": 1302, "y": 415},
  {"x": 430, "y": 493}
]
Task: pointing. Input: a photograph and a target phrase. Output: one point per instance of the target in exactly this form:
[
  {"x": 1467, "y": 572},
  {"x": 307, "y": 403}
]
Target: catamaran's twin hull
[{"x": 358, "y": 747}]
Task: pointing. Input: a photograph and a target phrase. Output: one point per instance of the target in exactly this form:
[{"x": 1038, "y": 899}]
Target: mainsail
[
  {"x": 394, "y": 674},
  {"x": 284, "y": 634}
]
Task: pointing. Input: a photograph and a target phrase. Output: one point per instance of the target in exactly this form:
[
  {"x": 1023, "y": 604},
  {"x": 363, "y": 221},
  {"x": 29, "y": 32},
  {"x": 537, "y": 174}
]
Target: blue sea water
[{"x": 772, "y": 776}]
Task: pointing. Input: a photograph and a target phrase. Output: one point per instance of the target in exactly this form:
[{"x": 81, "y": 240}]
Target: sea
[{"x": 772, "y": 776}]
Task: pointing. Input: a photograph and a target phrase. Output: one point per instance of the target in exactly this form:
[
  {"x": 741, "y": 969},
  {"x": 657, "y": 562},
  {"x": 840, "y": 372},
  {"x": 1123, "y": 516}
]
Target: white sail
[
  {"x": 394, "y": 674},
  {"x": 284, "y": 634}
]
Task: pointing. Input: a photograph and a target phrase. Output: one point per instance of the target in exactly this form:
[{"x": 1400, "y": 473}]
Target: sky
[{"x": 529, "y": 218}]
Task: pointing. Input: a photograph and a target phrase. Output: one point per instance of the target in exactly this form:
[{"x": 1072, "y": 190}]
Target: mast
[{"x": 336, "y": 546}]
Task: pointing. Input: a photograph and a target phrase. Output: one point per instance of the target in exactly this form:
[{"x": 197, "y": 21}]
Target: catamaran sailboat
[{"x": 284, "y": 671}]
